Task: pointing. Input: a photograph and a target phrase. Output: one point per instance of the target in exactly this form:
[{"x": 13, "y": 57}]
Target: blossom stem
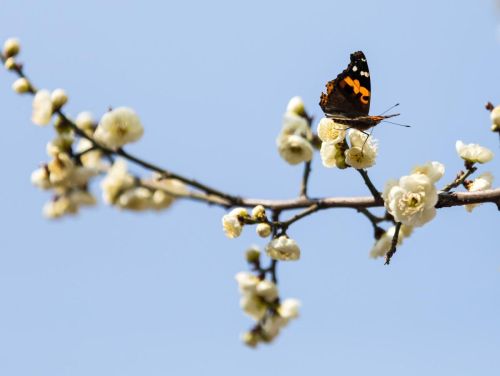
[{"x": 394, "y": 244}]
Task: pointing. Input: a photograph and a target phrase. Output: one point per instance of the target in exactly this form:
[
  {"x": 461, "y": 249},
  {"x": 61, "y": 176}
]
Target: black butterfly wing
[{"x": 349, "y": 94}]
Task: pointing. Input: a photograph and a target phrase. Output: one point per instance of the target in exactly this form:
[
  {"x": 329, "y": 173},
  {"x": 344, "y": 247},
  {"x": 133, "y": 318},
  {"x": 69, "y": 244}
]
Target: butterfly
[{"x": 347, "y": 98}]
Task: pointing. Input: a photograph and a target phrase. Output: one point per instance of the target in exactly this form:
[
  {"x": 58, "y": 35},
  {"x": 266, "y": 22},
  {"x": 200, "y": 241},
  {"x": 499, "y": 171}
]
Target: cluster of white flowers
[
  {"x": 474, "y": 153},
  {"x": 124, "y": 191},
  {"x": 294, "y": 141},
  {"x": 66, "y": 177},
  {"x": 411, "y": 200},
  {"x": 119, "y": 127},
  {"x": 260, "y": 300},
  {"x": 232, "y": 223},
  {"x": 384, "y": 243},
  {"x": 335, "y": 152}
]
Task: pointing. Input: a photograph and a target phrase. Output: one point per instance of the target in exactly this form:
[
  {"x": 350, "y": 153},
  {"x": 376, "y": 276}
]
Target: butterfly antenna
[
  {"x": 390, "y": 108},
  {"x": 401, "y": 125}
]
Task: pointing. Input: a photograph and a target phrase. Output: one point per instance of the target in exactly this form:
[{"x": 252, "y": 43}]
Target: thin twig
[
  {"x": 370, "y": 185},
  {"x": 312, "y": 209},
  {"x": 394, "y": 244},
  {"x": 461, "y": 177},
  {"x": 305, "y": 179},
  {"x": 307, "y": 165},
  {"x": 374, "y": 220}
]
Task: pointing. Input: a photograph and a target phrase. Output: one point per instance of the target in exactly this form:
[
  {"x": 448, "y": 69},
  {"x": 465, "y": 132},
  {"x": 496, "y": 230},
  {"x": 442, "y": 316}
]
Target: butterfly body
[{"x": 347, "y": 98}]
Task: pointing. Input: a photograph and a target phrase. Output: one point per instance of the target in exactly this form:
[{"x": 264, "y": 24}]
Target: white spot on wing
[{"x": 355, "y": 69}]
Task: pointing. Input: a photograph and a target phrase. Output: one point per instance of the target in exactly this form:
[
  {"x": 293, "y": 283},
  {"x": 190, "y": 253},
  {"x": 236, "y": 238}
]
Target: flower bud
[
  {"x": 251, "y": 339},
  {"x": 85, "y": 122},
  {"x": 263, "y": 230},
  {"x": 10, "y": 63},
  {"x": 59, "y": 98},
  {"x": 21, "y": 85},
  {"x": 11, "y": 47},
  {"x": 495, "y": 119},
  {"x": 296, "y": 106},
  {"x": 42, "y": 108},
  {"x": 252, "y": 255},
  {"x": 259, "y": 212}
]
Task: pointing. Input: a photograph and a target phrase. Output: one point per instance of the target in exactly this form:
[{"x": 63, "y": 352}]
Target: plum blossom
[{"x": 473, "y": 153}]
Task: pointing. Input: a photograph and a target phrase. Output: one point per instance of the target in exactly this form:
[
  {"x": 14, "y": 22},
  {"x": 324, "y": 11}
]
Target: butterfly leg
[{"x": 366, "y": 139}]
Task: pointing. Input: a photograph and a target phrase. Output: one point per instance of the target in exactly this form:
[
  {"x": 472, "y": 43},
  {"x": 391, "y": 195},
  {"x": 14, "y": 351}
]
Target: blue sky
[{"x": 115, "y": 293}]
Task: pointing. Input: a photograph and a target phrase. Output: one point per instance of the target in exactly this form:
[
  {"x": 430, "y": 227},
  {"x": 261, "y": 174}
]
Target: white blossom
[
  {"x": 60, "y": 168},
  {"x": 68, "y": 203},
  {"x": 116, "y": 181},
  {"x": 332, "y": 155},
  {"x": 295, "y": 149},
  {"x": 40, "y": 178},
  {"x": 91, "y": 159},
  {"x": 85, "y": 122},
  {"x": 331, "y": 132},
  {"x": 59, "y": 207},
  {"x": 411, "y": 200},
  {"x": 267, "y": 290},
  {"x": 80, "y": 176},
  {"x": 247, "y": 282},
  {"x": 135, "y": 198},
  {"x": 271, "y": 327},
  {"x": 61, "y": 144},
  {"x": 59, "y": 98},
  {"x": 296, "y": 106},
  {"x": 42, "y": 108},
  {"x": 289, "y": 308},
  {"x": 481, "y": 183},
  {"x": 119, "y": 127},
  {"x": 283, "y": 248},
  {"x": 473, "y": 152},
  {"x": 82, "y": 197},
  {"x": 434, "y": 170},
  {"x": 253, "y": 306},
  {"x": 294, "y": 124},
  {"x": 232, "y": 224},
  {"x": 363, "y": 150}
]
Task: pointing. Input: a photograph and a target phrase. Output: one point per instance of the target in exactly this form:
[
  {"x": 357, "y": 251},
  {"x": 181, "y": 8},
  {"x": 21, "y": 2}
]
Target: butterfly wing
[{"x": 349, "y": 94}]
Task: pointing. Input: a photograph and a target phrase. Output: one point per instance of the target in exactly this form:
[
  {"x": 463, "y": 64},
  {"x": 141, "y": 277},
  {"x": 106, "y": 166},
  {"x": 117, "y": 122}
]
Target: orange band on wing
[{"x": 358, "y": 89}]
